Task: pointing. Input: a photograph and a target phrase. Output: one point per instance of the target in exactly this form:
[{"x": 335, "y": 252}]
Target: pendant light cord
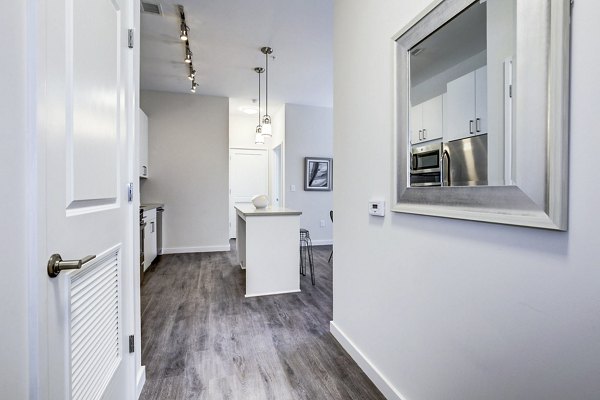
[
  {"x": 259, "y": 98},
  {"x": 267, "y": 84}
]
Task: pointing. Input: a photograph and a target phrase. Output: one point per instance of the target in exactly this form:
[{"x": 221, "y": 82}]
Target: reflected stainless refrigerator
[{"x": 465, "y": 162}]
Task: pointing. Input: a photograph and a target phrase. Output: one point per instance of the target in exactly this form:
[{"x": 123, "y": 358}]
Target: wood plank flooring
[{"x": 202, "y": 339}]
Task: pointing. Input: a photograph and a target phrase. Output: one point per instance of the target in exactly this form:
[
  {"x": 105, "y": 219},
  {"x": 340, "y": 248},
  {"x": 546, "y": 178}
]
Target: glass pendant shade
[
  {"x": 259, "y": 138},
  {"x": 266, "y": 126}
]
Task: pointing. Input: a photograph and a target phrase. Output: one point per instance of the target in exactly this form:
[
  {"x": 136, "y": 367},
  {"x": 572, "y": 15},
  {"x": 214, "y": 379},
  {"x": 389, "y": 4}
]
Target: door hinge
[
  {"x": 130, "y": 38},
  {"x": 130, "y": 192},
  {"x": 131, "y": 343}
]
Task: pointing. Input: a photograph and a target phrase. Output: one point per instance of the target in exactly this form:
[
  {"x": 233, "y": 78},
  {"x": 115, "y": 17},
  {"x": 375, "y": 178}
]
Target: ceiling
[
  {"x": 225, "y": 38},
  {"x": 462, "y": 37}
]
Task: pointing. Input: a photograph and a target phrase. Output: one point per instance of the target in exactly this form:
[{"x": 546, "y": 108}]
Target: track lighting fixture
[
  {"x": 184, "y": 36},
  {"x": 259, "y": 137},
  {"x": 266, "y": 121}
]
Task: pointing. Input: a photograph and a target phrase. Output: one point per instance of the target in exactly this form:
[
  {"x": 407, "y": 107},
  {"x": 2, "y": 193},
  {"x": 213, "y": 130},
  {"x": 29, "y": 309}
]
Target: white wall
[
  {"x": 308, "y": 133},
  {"x": 14, "y": 335},
  {"x": 188, "y": 169},
  {"x": 450, "y": 309}
]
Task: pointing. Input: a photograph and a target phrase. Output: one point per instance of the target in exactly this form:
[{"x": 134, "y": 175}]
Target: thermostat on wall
[{"x": 377, "y": 208}]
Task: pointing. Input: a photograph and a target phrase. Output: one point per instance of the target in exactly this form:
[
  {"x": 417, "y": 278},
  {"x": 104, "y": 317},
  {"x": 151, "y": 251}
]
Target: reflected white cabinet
[
  {"x": 426, "y": 120},
  {"x": 466, "y": 106},
  {"x": 143, "y": 145},
  {"x": 150, "y": 238}
]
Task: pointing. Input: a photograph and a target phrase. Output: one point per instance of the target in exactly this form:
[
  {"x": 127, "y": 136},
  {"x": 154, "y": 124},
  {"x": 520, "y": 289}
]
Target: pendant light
[
  {"x": 259, "y": 137},
  {"x": 266, "y": 121}
]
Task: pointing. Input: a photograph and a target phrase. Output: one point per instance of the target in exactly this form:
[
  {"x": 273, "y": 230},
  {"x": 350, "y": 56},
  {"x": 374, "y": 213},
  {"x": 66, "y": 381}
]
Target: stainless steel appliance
[
  {"x": 159, "y": 217},
  {"x": 465, "y": 162},
  {"x": 425, "y": 168},
  {"x": 142, "y": 226}
]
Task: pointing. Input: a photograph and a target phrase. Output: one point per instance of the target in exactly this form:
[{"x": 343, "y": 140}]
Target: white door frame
[
  {"x": 276, "y": 172},
  {"x": 38, "y": 375}
]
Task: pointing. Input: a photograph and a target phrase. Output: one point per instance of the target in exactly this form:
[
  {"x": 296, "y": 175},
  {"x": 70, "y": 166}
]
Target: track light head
[
  {"x": 192, "y": 74},
  {"x": 188, "y": 57},
  {"x": 184, "y": 32}
]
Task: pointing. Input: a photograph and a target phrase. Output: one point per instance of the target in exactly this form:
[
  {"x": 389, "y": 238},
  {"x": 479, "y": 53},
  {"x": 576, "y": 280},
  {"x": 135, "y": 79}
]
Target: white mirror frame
[{"x": 538, "y": 196}]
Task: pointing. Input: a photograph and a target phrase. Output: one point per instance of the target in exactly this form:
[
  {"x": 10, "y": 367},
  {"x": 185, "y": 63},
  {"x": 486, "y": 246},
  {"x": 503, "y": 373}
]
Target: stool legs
[{"x": 306, "y": 255}]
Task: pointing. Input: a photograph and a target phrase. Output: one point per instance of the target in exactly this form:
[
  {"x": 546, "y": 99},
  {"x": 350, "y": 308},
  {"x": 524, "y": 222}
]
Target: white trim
[
  {"x": 272, "y": 293},
  {"x": 196, "y": 249},
  {"x": 382, "y": 383},
  {"x": 141, "y": 380},
  {"x": 322, "y": 242}
]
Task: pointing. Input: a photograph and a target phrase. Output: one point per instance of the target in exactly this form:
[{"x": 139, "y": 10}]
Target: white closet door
[
  {"x": 86, "y": 122},
  {"x": 248, "y": 177}
]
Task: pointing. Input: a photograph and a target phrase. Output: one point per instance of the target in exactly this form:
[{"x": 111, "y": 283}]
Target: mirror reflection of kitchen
[{"x": 461, "y": 108}]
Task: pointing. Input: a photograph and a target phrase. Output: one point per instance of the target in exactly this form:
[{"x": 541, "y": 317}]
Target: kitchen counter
[
  {"x": 150, "y": 206},
  {"x": 248, "y": 210},
  {"x": 267, "y": 247}
]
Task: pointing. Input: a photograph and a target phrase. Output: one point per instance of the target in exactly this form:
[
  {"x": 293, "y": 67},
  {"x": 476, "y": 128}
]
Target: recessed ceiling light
[{"x": 250, "y": 110}]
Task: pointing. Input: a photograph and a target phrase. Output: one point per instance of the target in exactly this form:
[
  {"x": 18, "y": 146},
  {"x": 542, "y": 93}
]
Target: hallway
[{"x": 202, "y": 339}]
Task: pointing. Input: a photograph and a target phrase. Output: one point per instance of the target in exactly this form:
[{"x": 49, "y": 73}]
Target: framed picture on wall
[{"x": 318, "y": 173}]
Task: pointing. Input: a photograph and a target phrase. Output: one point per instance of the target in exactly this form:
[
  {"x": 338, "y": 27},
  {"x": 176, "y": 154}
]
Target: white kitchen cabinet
[
  {"x": 466, "y": 106},
  {"x": 150, "y": 238},
  {"x": 143, "y": 145},
  {"x": 426, "y": 120}
]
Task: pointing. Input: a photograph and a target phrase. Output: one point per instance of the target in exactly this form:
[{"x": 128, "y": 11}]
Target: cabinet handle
[
  {"x": 478, "y": 124},
  {"x": 424, "y": 133},
  {"x": 420, "y": 134},
  {"x": 145, "y": 170},
  {"x": 152, "y": 227},
  {"x": 471, "y": 126}
]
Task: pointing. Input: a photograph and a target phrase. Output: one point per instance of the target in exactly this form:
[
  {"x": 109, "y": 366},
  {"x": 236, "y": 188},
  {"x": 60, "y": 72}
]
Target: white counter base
[{"x": 268, "y": 249}]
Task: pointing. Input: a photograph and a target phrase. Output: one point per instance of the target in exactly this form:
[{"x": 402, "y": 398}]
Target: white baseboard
[
  {"x": 322, "y": 242},
  {"x": 199, "y": 249},
  {"x": 141, "y": 380},
  {"x": 365, "y": 364}
]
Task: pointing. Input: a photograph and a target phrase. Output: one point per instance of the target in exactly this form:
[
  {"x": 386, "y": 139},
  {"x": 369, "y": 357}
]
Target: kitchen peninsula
[{"x": 267, "y": 247}]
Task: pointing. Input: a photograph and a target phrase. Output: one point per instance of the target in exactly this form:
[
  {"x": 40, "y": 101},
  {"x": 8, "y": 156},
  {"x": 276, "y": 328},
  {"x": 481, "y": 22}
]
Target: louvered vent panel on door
[{"x": 95, "y": 326}]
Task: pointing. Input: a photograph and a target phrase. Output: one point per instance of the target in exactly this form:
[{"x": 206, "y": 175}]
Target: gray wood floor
[{"x": 202, "y": 339}]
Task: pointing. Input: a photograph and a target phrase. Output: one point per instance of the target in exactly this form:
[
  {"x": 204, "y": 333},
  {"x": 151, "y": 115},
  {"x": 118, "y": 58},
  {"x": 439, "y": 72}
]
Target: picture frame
[{"x": 318, "y": 174}]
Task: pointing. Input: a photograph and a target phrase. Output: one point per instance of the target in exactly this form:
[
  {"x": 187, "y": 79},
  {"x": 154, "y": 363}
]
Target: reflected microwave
[{"x": 425, "y": 165}]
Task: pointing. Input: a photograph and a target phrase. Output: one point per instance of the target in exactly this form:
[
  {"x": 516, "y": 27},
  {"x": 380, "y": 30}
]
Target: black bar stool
[{"x": 306, "y": 254}]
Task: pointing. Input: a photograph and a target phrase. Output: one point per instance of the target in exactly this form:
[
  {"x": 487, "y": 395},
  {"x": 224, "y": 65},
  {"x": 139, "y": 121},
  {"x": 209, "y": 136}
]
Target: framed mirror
[{"x": 481, "y": 112}]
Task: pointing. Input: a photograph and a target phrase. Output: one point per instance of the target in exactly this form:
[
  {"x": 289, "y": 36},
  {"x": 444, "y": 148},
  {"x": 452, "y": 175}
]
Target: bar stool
[{"x": 306, "y": 254}]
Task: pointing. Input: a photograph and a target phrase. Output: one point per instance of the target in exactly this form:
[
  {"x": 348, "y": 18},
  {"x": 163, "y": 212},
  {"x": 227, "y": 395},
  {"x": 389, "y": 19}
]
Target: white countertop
[{"x": 248, "y": 210}]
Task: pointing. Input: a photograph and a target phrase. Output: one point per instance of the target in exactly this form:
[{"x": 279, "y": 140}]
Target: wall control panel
[{"x": 377, "y": 208}]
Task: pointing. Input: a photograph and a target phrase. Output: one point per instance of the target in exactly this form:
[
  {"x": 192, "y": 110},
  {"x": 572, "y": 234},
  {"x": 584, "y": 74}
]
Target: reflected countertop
[{"x": 150, "y": 206}]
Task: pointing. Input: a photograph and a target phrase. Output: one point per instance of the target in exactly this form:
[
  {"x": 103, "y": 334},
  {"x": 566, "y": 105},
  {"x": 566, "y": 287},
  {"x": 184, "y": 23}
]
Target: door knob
[{"x": 56, "y": 264}]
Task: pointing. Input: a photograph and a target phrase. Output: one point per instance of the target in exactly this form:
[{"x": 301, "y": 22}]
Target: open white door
[
  {"x": 85, "y": 126},
  {"x": 248, "y": 177}
]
